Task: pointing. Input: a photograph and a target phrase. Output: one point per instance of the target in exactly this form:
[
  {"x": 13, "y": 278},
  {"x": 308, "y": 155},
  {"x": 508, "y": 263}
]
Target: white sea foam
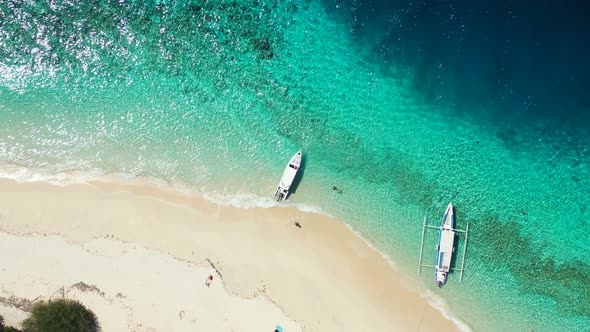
[
  {"x": 61, "y": 178},
  {"x": 440, "y": 304},
  {"x": 244, "y": 201},
  {"x": 250, "y": 201},
  {"x": 25, "y": 174},
  {"x": 390, "y": 261}
]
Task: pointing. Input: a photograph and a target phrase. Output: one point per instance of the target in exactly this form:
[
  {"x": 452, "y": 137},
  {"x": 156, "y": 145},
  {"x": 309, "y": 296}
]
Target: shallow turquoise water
[{"x": 216, "y": 96}]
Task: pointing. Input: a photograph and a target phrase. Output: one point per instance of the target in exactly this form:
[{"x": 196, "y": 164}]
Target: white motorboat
[{"x": 288, "y": 177}]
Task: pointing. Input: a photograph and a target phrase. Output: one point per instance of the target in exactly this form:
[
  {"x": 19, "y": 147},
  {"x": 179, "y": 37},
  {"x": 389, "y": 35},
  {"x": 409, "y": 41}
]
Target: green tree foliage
[
  {"x": 60, "y": 316},
  {"x": 11, "y": 329}
]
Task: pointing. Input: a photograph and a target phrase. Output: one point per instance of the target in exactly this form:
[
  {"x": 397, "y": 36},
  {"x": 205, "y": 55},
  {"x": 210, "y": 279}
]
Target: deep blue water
[{"x": 518, "y": 62}]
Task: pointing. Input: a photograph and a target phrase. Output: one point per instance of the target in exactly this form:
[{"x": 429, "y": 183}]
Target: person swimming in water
[{"x": 336, "y": 189}]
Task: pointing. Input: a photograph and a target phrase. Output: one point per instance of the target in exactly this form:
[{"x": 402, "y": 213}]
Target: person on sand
[
  {"x": 297, "y": 224},
  {"x": 209, "y": 280}
]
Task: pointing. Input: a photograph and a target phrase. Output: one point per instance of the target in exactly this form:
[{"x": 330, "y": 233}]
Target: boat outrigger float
[
  {"x": 445, "y": 248},
  {"x": 288, "y": 177}
]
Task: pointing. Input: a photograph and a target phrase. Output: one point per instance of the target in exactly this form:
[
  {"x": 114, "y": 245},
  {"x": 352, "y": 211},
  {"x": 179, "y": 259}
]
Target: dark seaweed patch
[{"x": 502, "y": 244}]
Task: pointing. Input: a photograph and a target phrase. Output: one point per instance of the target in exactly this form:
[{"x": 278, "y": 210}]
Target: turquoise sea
[{"x": 405, "y": 105}]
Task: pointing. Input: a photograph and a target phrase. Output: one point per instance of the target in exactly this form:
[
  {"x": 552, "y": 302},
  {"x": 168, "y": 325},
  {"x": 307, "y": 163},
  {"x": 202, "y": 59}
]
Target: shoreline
[{"x": 258, "y": 250}]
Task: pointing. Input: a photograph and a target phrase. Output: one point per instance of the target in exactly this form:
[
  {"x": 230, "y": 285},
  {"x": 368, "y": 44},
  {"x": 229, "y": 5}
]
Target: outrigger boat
[
  {"x": 288, "y": 177},
  {"x": 445, "y": 247}
]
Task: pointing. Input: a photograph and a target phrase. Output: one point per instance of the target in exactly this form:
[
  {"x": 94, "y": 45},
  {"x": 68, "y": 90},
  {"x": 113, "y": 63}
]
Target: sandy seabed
[{"x": 138, "y": 256}]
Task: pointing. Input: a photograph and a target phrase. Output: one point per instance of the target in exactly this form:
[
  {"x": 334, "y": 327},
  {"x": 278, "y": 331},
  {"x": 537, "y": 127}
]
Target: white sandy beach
[{"x": 138, "y": 257}]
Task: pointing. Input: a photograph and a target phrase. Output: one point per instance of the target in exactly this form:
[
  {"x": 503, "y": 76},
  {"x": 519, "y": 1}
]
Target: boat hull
[
  {"x": 289, "y": 174},
  {"x": 446, "y": 241}
]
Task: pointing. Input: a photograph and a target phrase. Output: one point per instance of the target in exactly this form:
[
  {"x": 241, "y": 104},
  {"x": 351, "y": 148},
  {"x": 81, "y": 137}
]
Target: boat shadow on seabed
[{"x": 299, "y": 176}]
